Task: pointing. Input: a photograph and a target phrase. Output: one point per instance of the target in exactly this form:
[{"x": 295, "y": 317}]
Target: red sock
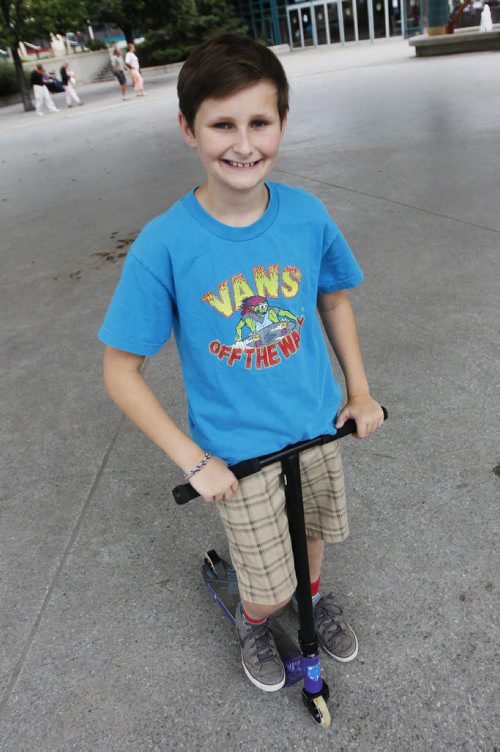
[
  {"x": 315, "y": 587},
  {"x": 250, "y": 619}
]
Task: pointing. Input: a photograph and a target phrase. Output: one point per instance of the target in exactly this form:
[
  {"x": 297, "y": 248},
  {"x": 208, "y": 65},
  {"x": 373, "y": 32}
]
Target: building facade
[{"x": 318, "y": 22}]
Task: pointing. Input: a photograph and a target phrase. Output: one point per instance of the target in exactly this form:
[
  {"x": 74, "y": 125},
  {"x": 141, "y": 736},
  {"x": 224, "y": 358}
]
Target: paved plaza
[{"x": 109, "y": 641}]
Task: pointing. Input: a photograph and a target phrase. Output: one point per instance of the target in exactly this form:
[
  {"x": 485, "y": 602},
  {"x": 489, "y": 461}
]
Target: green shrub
[
  {"x": 161, "y": 47},
  {"x": 96, "y": 44},
  {"x": 8, "y": 80}
]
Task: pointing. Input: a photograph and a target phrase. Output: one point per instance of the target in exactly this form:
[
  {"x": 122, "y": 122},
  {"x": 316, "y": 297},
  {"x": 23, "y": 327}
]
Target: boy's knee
[{"x": 261, "y": 610}]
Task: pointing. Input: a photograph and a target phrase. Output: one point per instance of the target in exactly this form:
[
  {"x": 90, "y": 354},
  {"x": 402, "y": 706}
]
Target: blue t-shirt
[{"x": 242, "y": 304}]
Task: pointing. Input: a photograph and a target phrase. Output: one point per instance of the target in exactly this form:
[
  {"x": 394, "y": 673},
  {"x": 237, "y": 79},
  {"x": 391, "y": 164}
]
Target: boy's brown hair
[{"x": 225, "y": 65}]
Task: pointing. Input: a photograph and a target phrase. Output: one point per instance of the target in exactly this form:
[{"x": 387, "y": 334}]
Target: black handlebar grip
[
  {"x": 348, "y": 428},
  {"x": 184, "y": 493}
]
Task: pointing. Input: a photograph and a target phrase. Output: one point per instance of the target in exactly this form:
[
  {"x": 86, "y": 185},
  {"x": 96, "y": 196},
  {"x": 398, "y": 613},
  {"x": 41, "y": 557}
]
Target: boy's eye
[
  {"x": 222, "y": 126},
  {"x": 259, "y": 123}
]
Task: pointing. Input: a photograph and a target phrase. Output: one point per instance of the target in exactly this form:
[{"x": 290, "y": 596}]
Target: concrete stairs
[{"x": 105, "y": 73}]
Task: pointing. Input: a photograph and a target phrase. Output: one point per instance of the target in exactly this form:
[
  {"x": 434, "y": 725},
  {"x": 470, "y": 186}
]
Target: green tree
[
  {"x": 56, "y": 16},
  {"x": 13, "y": 16},
  {"x": 193, "y": 22},
  {"x": 127, "y": 15}
]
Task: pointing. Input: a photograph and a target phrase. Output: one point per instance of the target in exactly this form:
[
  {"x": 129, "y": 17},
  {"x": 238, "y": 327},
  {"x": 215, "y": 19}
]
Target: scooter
[{"x": 220, "y": 577}]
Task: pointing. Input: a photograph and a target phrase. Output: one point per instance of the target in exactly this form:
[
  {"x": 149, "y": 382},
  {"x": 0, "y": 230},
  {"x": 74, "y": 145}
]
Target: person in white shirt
[
  {"x": 132, "y": 63},
  {"x": 486, "y": 21}
]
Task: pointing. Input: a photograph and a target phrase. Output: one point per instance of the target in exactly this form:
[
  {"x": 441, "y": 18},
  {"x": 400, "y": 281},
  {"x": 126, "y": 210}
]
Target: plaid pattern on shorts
[{"x": 257, "y": 526}]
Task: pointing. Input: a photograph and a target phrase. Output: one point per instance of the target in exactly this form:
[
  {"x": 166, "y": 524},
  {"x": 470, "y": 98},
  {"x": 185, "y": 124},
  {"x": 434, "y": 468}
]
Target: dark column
[{"x": 437, "y": 16}]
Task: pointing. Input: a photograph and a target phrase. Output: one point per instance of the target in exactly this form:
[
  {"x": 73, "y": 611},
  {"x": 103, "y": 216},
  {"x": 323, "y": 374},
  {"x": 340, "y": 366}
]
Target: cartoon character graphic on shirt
[
  {"x": 265, "y": 334},
  {"x": 265, "y": 323}
]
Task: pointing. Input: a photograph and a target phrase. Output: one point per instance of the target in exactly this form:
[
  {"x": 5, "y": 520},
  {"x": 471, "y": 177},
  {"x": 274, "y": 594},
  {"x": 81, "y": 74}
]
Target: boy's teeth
[{"x": 241, "y": 164}]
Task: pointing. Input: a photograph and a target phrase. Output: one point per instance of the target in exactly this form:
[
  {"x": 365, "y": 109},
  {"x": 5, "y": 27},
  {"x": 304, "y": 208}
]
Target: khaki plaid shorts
[{"x": 257, "y": 526}]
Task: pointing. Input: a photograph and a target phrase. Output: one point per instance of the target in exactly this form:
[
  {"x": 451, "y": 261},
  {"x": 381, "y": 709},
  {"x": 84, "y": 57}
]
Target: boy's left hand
[{"x": 365, "y": 411}]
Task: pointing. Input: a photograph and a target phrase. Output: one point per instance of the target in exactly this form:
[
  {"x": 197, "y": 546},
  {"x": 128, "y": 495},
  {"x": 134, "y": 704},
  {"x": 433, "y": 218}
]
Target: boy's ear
[
  {"x": 186, "y": 131},
  {"x": 284, "y": 122}
]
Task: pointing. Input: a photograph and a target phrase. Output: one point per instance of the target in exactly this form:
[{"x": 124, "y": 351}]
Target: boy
[{"x": 237, "y": 268}]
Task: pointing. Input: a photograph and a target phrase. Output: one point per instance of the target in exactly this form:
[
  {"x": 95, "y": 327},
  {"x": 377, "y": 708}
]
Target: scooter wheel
[{"x": 319, "y": 710}]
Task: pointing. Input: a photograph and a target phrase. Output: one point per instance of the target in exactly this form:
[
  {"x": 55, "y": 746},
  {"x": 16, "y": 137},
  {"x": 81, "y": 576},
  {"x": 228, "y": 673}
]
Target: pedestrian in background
[
  {"x": 132, "y": 63},
  {"x": 40, "y": 91},
  {"x": 119, "y": 71},
  {"x": 486, "y": 22},
  {"x": 68, "y": 79}
]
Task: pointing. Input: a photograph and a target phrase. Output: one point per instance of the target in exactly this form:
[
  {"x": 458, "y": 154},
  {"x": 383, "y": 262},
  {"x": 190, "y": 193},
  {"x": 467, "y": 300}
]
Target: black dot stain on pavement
[{"x": 496, "y": 470}]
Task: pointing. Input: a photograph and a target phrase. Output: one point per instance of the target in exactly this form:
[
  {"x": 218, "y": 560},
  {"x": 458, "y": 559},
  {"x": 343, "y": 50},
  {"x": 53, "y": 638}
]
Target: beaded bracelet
[{"x": 198, "y": 467}]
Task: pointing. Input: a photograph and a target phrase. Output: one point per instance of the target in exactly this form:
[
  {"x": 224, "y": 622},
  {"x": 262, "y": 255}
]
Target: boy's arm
[
  {"x": 129, "y": 390},
  {"x": 336, "y": 313}
]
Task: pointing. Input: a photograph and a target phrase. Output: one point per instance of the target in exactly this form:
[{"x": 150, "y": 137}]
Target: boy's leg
[
  {"x": 259, "y": 655},
  {"x": 334, "y": 634},
  {"x": 315, "y": 548},
  {"x": 259, "y": 541}
]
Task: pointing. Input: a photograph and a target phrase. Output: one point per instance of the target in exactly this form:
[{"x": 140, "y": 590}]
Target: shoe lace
[
  {"x": 328, "y": 616},
  {"x": 264, "y": 642}
]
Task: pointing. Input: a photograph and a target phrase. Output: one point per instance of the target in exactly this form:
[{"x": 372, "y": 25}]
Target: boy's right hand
[{"x": 215, "y": 482}]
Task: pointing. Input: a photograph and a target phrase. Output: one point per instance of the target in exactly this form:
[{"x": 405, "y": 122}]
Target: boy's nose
[{"x": 242, "y": 144}]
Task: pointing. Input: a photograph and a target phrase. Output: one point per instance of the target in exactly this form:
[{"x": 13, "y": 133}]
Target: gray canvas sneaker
[
  {"x": 334, "y": 634},
  {"x": 259, "y": 655}
]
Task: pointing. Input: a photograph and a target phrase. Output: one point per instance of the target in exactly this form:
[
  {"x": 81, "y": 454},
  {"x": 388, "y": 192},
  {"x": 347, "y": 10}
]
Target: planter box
[{"x": 465, "y": 40}]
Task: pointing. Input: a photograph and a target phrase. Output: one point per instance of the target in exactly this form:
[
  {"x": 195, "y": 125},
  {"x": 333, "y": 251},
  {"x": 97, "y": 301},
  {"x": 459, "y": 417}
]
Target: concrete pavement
[{"x": 109, "y": 640}]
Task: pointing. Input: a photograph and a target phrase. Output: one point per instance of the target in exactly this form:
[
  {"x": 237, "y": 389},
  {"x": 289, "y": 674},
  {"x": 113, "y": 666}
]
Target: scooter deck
[{"x": 222, "y": 584}]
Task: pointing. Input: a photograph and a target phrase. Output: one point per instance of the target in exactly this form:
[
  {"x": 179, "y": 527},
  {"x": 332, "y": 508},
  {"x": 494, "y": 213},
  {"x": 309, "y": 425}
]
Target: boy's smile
[{"x": 238, "y": 140}]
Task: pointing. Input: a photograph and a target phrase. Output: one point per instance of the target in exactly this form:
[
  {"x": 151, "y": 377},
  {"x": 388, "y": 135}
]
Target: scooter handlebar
[{"x": 185, "y": 492}]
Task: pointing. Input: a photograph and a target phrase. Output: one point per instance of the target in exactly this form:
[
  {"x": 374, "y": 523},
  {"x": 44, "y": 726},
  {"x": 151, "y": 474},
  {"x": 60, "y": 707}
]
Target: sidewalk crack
[{"x": 390, "y": 201}]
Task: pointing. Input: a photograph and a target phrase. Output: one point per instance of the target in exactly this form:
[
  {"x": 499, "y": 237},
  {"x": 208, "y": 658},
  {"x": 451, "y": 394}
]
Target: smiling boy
[{"x": 235, "y": 240}]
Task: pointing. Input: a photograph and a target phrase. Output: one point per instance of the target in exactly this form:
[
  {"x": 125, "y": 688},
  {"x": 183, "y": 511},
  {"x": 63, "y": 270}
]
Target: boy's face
[{"x": 237, "y": 137}]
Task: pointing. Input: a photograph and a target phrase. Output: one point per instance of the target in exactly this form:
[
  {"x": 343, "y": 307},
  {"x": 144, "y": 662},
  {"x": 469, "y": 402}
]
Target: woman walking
[
  {"x": 67, "y": 79},
  {"x": 132, "y": 63}
]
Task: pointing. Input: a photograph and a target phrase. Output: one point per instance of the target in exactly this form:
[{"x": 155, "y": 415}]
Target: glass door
[
  {"x": 321, "y": 19},
  {"x": 294, "y": 28},
  {"x": 301, "y": 26},
  {"x": 349, "y": 21},
  {"x": 380, "y": 9},
  {"x": 363, "y": 22},
  {"x": 333, "y": 23},
  {"x": 306, "y": 14}
]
